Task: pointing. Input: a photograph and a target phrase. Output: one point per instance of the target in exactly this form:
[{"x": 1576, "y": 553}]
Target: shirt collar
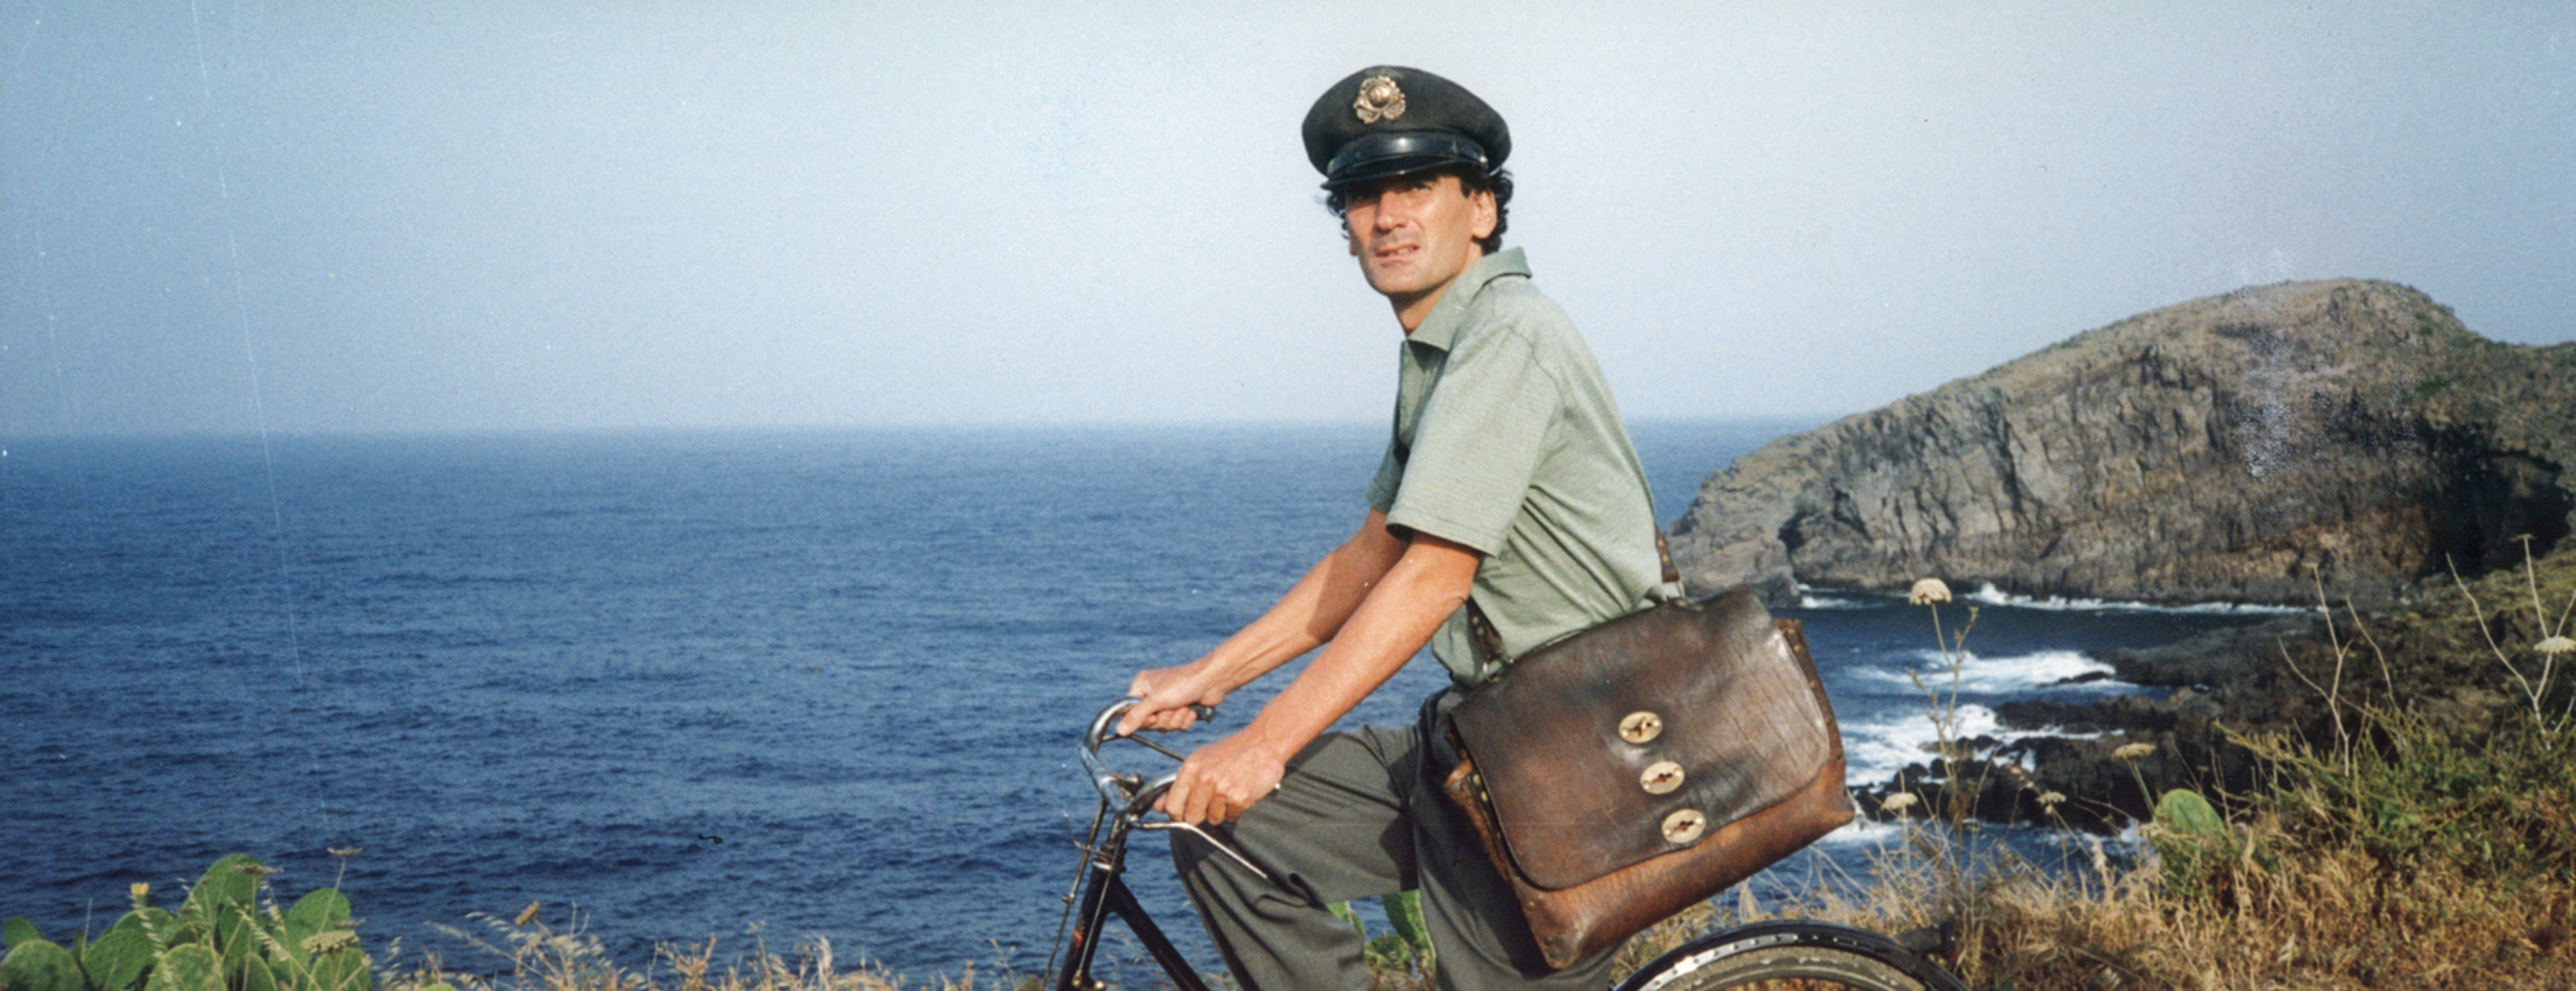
[{"x": 1440, "y": 329}]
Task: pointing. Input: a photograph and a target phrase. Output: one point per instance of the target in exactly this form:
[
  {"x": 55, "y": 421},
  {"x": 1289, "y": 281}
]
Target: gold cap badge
[{"x": 1379, "y": 100}]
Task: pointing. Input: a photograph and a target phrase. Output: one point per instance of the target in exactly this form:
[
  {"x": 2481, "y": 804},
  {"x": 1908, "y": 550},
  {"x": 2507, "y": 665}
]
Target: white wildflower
[
  {"x": 2051, "y": 798},
  {"x": 2555, "y": 645},
  {"x": 1927, "y": 592},
  {"x": 1898, "y": 802},
  {"x": 2133, "y": 751}
]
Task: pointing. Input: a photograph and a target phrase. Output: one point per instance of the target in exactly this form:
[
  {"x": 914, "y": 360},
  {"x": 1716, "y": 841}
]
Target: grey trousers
[{"x": 1361, "y": 814}]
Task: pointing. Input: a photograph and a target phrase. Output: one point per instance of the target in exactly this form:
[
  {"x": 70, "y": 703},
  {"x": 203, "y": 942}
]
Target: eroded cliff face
[{"x": 2248, "y": 447}]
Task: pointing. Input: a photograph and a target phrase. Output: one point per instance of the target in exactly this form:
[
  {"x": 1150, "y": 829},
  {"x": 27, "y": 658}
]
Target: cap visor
[{"x": 1378, "y": 156}]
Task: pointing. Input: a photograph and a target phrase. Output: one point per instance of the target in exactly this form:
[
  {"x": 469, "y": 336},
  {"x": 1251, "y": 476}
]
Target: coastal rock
[
  {"x": 2275, "y": 444},
  {"x": 2220, "y": 657},
  {"x": 2456, "y": 659}
]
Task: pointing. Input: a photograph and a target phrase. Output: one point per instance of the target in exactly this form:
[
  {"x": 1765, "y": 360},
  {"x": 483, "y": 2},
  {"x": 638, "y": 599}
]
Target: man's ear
[
  {"x": 1350, "y": 240},
  {"x": 1486, "y": 214}
]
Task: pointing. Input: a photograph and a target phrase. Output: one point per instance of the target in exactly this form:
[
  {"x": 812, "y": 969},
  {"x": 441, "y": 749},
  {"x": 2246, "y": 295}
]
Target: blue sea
[{"x": 746, "y": 684}]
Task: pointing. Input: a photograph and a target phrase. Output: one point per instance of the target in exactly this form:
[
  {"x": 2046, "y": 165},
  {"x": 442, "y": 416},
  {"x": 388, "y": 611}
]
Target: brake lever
[
  {"x": 1170, "y": 826},
  {"x": 1159, "y": 748},
  {"x": 1101, "y": 725},
  {"x": 1205, "y": 713}
]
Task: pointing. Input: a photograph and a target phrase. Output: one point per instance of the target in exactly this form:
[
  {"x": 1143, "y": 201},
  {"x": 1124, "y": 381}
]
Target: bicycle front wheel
[{"x": 1791, "y": 954}]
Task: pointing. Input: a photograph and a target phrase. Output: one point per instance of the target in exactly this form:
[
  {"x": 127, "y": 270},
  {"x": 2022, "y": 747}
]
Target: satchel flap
[{"x": 1643, "y": 735}]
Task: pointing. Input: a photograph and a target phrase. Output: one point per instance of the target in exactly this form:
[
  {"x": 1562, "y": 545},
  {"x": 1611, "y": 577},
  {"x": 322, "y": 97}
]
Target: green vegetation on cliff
[{"x": 226, "y": 936}]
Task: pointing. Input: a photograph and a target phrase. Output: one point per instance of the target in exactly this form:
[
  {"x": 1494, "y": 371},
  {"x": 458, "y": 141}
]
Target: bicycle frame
[
  {"x": 1099, "y": 893},
  {"x": 1125, "y": 801}
]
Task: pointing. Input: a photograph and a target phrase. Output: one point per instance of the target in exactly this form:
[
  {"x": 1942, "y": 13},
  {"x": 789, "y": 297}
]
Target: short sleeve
[
  {"x": 1482, "y": 434},
  {"x": 1390, "y": 474}
]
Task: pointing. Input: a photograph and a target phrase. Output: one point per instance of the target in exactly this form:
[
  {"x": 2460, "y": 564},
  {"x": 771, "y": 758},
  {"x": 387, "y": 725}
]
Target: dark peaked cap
[{"x": 1390, "y": 120}]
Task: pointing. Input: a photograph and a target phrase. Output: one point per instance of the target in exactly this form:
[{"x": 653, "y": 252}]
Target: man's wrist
[{"x": 1265, "y": 737}]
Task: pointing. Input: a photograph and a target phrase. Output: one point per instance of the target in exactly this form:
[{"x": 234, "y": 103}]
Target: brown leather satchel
[{"x": 1628, "y": 771}]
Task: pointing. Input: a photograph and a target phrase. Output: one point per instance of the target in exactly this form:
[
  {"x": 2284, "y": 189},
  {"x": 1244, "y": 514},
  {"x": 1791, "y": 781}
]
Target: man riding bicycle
[{"x": 1509, "y": 509}]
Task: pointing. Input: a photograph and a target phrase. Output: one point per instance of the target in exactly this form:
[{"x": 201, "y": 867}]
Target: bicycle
[{"x": 1821, "y": 953}]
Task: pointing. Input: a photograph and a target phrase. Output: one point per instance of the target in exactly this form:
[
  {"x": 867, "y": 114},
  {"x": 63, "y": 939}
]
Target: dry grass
[
  {"x": 2317, "y": 917},
  {"x": 2299, "y": 900},
  {"x": 538, "y": 957},
  {"x": 2302, "y": 903}
]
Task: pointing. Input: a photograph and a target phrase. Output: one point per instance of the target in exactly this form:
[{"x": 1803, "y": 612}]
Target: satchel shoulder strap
[{"x": 1489, "y": 644}]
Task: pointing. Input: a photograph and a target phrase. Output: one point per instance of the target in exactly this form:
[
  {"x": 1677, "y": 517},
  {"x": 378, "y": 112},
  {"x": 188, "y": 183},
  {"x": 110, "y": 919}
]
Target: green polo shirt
[{"x": 1507, "y": 441}]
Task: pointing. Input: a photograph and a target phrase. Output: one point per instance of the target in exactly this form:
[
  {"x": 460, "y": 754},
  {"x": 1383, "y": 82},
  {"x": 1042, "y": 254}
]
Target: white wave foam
[
  {"x": 1808, "y": 599},
  {"x": 1862, "y": 831},
  {"x": 2017, "y": 673},
  {"x": 1875, "y": 749},
  {"x": 1990, "y": 595}
]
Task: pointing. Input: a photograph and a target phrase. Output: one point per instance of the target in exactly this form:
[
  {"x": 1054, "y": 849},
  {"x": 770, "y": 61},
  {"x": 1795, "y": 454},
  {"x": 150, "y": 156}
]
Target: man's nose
[{"x": 1389, "y": 214}]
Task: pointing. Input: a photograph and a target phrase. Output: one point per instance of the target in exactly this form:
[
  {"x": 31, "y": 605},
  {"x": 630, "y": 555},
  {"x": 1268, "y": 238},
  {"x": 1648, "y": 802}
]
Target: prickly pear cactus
[
  {"x": 319, "y": 909},
  {"x": 1408, "y": 945},
  {"x": 161, "y": 928},
  {"x": 237, "y": 932},
  {"x": 118, "y": 959},
  {"x": 222, "y": 939},
  {"x": 1404, "y": 912},
  {"x": 36, "y": 965},
  {"x": 233, "y": 880},
  {"x": 193, "y": 967},
  {"x": 338, "y": 963},
  {"x": 2186, "y": 813},
  {"x": 2191, "y": 839},
  {"x": 253, "y": 974}
]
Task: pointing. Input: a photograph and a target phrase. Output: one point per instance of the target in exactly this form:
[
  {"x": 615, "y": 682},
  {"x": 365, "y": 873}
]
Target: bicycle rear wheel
[{"x": 1791, "y": 954}]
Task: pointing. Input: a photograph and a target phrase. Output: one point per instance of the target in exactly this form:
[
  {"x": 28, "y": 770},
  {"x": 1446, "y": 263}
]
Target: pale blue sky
[{"x": 401, "y": 216}]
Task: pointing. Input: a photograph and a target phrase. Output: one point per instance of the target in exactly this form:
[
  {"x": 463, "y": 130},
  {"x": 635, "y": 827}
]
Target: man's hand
[
  {"x": 1219, "y": 781},
  {"x": 1166, "y": 695},
  {"x": 1222, "y": 779}
]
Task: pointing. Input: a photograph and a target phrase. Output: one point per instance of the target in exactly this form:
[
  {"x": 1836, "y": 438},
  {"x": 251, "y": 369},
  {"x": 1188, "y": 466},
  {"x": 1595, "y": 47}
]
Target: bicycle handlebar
[
  {"x": 1132, "y": 794},
  {"x": 1129, "y": 791},
  {"x": 1104, "y": 726}
]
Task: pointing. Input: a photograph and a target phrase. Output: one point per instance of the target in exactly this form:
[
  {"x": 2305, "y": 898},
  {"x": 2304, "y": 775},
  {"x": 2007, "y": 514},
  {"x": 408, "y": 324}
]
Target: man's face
[{"x": 1413, "y": 234}]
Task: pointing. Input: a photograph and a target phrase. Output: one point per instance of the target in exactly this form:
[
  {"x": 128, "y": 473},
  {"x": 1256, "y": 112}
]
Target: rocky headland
[
  {"x": 2247, "y": 448},
  {"x": 2344, "y": 441}
]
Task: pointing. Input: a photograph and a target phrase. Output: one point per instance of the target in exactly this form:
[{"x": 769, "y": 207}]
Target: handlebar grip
[{"x": 1104, "y": 726}]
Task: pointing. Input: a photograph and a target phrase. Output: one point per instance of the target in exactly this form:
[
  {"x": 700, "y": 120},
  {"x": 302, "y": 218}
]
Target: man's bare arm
[
  {"x": 1310, "y": 613},
  {"x": 1219, "y": 781}
]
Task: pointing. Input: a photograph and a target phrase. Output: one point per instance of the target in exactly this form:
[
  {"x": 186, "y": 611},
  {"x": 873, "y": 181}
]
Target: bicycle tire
[{"x": 1820, "y": 954}]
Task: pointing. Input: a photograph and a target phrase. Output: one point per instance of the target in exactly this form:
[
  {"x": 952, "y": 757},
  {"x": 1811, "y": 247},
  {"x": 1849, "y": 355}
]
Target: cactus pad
[
  {"x": 117, "y": 960},
  {"x": 36, "y": 965},
  {"x": 193, "y": 967}
]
